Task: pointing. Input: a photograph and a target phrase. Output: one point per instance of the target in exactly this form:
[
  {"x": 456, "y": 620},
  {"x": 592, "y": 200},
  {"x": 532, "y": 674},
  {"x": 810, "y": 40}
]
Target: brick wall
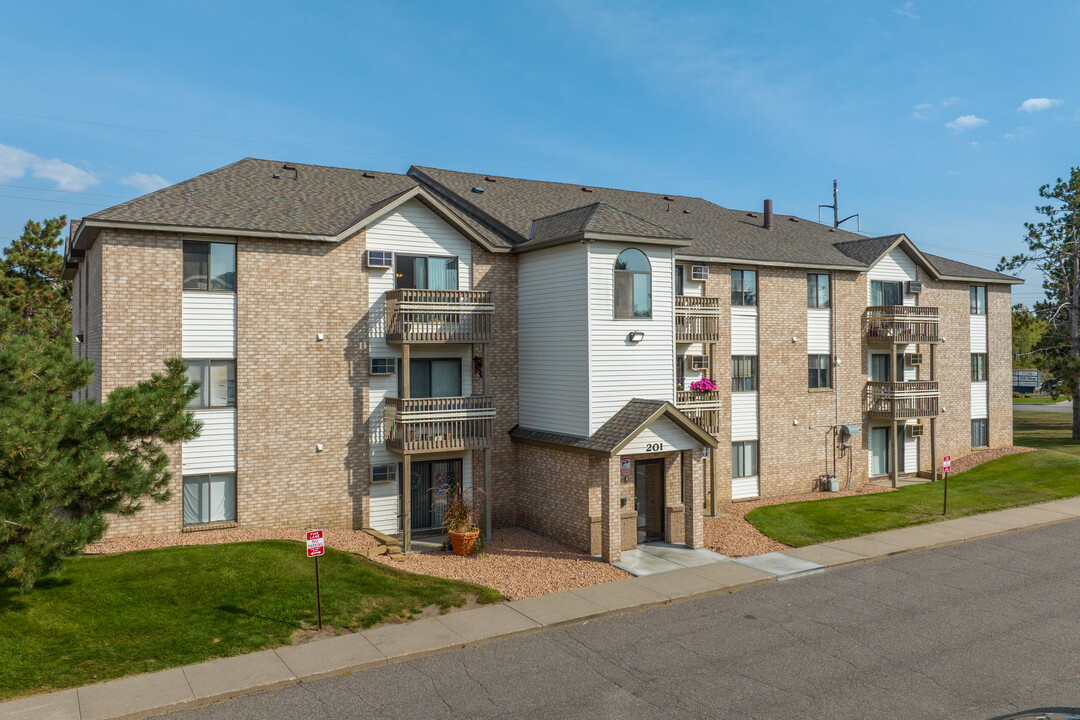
[
  {"x": 560, "y": 492},
  {"x": 999, "y": 363},
  {"x": 294, "y": 391},
  {"x": 497, "y": 273},
  {"x": 140, "y": 304}
]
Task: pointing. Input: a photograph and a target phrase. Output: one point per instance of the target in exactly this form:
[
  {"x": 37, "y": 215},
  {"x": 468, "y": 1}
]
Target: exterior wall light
[{"x": 635, "y": 337}]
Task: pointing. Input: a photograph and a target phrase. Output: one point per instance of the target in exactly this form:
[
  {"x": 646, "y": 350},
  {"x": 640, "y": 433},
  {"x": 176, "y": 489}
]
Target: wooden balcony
[
  {"x": 702, "y": 408},
  {"x": 423, "y": 425},
  {"x": 902, "y": 400},
  {"x": 439, "y": 316},
  {"x": 902, "y": 324},
  {"x": 697, "y": 319}
]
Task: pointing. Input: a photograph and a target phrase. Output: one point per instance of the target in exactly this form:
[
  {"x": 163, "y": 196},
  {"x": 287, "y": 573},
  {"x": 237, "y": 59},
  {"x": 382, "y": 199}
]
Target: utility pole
[{"x": 836, "y": 221}]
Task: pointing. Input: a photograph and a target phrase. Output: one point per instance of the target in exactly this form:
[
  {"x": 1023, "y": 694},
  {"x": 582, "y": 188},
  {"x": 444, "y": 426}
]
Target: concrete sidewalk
[{"x": 196, "y": 685}]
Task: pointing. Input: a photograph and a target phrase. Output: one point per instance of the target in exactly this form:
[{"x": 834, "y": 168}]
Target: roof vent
[
  {"x": 478, "y": 189},
  {"x": 490, "y": 179},
  {"x": 685, "y": 212},
  {"x": 290, "y": 166},
  {"x": 793, "y": 219},
  {"x": 751, "y": 214},
  {"x": 276, "y": 176},
  {"x": 369, "y": 174},
  {"x": 669, "y": 199},
  {"x": 767, "y": 222},
  {"x": 586, "y": 189}
]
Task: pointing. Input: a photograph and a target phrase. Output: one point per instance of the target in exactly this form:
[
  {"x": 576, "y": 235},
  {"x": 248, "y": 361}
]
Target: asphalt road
[
  {"x": 987, "y": 629},
  {"x": 1061, "y": 407}
]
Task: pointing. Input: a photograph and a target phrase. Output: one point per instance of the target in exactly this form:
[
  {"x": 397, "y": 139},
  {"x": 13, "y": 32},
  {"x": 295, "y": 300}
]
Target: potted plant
[{"x": 461, "y": 516}]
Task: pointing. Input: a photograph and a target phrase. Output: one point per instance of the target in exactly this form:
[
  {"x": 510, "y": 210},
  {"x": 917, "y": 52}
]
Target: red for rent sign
[{"x": 315, "y": 545}]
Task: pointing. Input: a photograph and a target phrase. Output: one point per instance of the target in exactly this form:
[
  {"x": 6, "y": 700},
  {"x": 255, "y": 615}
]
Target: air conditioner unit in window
[
  {"x": 697, "y": 363},
  {"x": 914, "y": 431},
  {"x": 914, "y": 287},
  {"x": 699, "y": 272},
  {"x": 380, "y": 259},
  {"x": 914, "y": 359}
]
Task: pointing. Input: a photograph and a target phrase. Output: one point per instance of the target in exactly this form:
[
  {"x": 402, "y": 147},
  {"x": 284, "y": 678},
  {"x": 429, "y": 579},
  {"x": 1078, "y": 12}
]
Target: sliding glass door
[
  {"x": 426, "y": 273},
  {"x": 428, "y": 487}
]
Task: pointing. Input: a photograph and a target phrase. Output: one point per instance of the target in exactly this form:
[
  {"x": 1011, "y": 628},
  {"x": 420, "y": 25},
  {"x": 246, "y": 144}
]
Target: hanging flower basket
[{"x": 704, "y": 385}]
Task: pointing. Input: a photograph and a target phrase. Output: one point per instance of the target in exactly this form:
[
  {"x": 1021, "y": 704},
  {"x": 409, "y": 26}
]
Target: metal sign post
[
  {"x": 315, "y": 548},
  {"x": 946, "y": 466}
]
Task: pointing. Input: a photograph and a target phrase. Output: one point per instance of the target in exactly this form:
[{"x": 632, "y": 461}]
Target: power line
[
  {"x": 54, "y": 200},
  {"x": 72, "y": 192}
]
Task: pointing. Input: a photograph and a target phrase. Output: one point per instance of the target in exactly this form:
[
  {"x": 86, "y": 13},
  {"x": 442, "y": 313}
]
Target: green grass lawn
[
  {"x": 1037, "y": 400},
  {"x": 1012, "y": 481},
  {"x": 113, "y": 615}
]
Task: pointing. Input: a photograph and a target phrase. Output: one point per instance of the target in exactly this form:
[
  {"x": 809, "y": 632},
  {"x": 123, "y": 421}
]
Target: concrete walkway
[
  {"x": 198, "y": 685},
  {"x": 659, "y": 557}
]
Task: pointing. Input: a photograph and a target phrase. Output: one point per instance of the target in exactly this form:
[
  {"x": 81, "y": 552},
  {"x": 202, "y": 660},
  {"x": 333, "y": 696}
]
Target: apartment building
[{"x": 605, "y": 365}]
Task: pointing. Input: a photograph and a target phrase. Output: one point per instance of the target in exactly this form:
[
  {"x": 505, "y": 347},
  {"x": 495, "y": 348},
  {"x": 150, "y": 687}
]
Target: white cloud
[
  {"x": 1008, "y": 136},
  {"x": 950, "y": 101},
  {"x": 1037, "y": 104},
  {"x": 16, "y": 163},
  {"x": 965, "y": 122},
  {"x": 145, "y": 183},
  {"x": 908, "y": 10}
]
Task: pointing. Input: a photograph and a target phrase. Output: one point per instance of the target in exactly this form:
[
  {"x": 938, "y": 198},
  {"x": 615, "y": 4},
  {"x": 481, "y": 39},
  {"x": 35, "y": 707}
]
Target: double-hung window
[
  {"x": 209, "y": 498},
  {"x": 979, "y": 432},
  {"x": 209, "y": 266},
  {"x": 978, "y": 299},
  {"x": 818, "y": 371},
  {"x": 886, "y": 293},
  {"x": 744, "y": 373},
  {"x": 978, "y": 367},
  {"x": 817, "y": 290},
  {"x": 216, "y": 380},
  {"x": 744, "y": 287},
  {"x": 744, "y": 459}
]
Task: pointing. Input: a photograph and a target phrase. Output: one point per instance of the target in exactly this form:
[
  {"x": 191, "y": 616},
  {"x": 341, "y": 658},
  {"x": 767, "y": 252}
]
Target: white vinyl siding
[
  {"x": 662, "y": 431},
  {"x": 553, "y": 366},
  {"x": 745, "y": 487},
  {"x": 979, "y": 405},
  {"x": 978, "y": 333},
  {"x": 214, "y": 451},
  {"x": 209, "y": 325},
  {"x": 691, "y": 288},
  {"x": 896, "y": 266},
  {"x": 744, "y": 416},
  {"x": 686, "y": 351},
  {"x": 817, "y": 331},
  {"x": 744, "y": 329},
  {"x": 620, "y": 370}
]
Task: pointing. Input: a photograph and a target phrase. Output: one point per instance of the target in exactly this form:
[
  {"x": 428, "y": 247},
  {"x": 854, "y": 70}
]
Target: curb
[{"x": 216, "y": 681}]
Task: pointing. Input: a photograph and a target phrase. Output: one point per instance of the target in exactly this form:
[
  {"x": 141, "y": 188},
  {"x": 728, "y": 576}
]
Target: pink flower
[{"x": 703, "y": 385}]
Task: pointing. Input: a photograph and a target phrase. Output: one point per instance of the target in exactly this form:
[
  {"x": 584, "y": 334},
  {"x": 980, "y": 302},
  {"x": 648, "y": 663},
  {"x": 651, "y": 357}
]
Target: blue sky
[{"x": 940, "y": 120}]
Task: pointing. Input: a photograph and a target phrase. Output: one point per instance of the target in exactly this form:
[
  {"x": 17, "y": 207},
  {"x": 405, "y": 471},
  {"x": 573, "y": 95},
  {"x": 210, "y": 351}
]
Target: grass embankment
[
  {"x": 114, "y": 615},
  {"x": 1012, "y": 481}
]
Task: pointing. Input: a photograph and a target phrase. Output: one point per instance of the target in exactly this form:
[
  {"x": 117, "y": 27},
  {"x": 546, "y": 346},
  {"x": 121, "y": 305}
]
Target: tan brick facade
[{"x": 295, "y": 392}]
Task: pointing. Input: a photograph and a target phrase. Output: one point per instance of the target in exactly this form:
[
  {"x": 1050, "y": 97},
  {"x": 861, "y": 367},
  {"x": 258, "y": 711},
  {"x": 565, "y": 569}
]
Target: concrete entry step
[{"x": 658, "y": 557}]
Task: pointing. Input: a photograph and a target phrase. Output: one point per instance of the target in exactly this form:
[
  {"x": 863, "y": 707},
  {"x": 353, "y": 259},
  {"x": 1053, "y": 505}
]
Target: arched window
[{"x": 633, "y": 285}]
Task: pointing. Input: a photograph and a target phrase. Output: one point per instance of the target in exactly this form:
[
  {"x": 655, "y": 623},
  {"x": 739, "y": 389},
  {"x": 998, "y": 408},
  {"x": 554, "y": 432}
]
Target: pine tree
[
  {"x": 65, "y": 465},
  {"x": 1054, "y": 247}
]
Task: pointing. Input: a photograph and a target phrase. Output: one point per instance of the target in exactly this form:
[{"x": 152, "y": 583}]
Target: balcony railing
[
  {"x": 416, "y": 425},
  {"x": 697, "y": 319},
  {"x": 902, "y": 324},
  {"x": 438, "y": 316},
  {"x": 702, "y": 408},
  {"x": 902, "y": 400}
]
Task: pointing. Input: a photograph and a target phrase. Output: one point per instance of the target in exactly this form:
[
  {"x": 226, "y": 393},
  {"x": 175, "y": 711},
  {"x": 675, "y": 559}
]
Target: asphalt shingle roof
[
  {"x": 510, "y": 205},
  {"x": 609, "y": 436},
  {"x": 598, "y": 217},
  {"x": 954, "y": 268},
  {"x": 867, "y": 250}
]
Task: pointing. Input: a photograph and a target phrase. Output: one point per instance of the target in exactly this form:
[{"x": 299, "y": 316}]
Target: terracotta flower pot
[{"x": 464, "y": 543}]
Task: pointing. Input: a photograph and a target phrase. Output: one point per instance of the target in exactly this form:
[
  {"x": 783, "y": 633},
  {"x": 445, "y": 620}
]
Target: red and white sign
[
  {"x": 315, "y": 545},
  {"x": 946, "y": 464}
]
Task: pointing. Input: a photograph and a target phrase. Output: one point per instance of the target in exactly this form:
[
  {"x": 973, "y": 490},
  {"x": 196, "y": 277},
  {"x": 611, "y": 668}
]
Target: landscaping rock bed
[{"x": 518, "y": 563}]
